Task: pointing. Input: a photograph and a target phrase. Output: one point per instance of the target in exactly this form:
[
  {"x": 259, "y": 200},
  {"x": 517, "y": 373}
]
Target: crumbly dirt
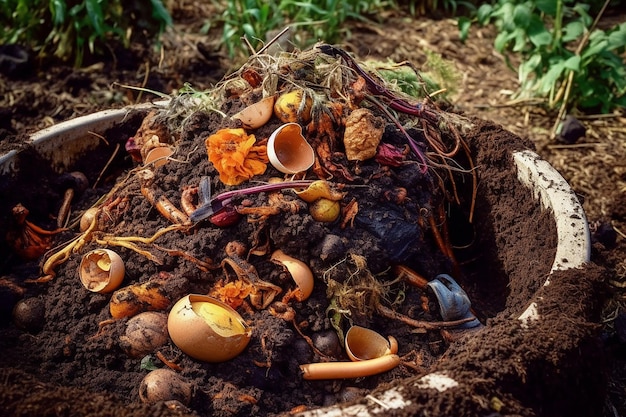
[{"x": 505, "y": 255}]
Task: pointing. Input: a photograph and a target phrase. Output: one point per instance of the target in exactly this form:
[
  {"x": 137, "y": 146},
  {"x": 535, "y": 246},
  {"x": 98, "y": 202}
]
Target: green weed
[
  {"x": 69, "y": 29},
  {"x": 310, "y": 20},
  {"x": 566, "y": 59}
]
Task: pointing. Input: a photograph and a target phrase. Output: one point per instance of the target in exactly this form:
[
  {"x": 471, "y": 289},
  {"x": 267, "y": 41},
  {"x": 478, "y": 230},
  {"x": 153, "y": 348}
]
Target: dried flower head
[{"x": 235, "y": 155}]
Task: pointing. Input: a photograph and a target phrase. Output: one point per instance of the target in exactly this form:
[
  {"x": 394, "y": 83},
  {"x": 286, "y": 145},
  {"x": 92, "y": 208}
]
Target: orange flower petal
[{"x": 235, "y": 156}]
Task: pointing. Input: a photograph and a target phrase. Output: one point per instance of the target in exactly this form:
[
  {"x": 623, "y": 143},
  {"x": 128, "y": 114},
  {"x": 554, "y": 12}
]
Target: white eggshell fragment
[
  {"x": 288, "y": 151},
  {"x": 207, "y": 329},
  {"x": 101, "y": 270},
  {"x": 257, "y": 114},
  {"x": 300, "y": 272}
]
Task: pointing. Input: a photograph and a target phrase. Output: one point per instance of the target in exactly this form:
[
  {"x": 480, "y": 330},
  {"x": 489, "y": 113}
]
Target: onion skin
[
  {"x": 88, "y": 217},
  {"x": 345, "y": 370}
]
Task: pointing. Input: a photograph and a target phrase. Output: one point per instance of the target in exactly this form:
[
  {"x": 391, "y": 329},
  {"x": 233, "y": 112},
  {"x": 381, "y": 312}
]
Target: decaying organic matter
[{"x": 392, "y": 212}]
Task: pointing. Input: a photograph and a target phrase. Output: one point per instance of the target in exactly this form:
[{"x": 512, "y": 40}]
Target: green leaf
[
  {"x": 550, "y": 79},
  {"x": 248, "y": 30},
  {"x": 464, "y": 25},
  {"x": 58, "y": 8},
  {"x": 572, "y": 63},
  {"x": 160, "y": 12},
  {"x": 528, "y": 67},
  {"x": 537, "y": 33},
  {"x": 573, "y": 31},
  {"x": 501, "y": 41},
  {"x": 617, "y": 39},
  {"x": 547, "y": 6},
  {"x": 148, "y": 363},
  {"x": 484, "y": 12},
  {"x": 94, "y": 11},
  {"x": 520, "y": 40},
  {"x": 594, "y": 48},
  {"x": 521, "y": 15},
  {"x": 582, "y": 9}
]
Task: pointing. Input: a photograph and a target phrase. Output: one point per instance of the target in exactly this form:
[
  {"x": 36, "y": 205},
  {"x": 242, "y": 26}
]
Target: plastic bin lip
[{"x": 49, "y": 141}]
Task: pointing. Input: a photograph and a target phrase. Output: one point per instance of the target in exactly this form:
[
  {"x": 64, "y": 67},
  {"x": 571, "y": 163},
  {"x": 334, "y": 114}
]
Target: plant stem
[{"x": 570, "y": 75}]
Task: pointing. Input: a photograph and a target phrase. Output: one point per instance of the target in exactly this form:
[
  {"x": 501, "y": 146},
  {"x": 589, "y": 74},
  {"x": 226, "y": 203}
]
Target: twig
[
  {"x": 274, "y": 39},
  {"x": 420, "y": 324},
  {"x": 244, "y": 38},
  {"x": 115, "y": 151}
]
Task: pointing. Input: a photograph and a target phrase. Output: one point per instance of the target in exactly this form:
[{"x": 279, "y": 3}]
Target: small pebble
[{"x": 29, "y": 314}]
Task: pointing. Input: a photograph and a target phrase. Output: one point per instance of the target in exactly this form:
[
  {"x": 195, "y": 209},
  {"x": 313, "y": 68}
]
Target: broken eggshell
[
  {"x": 363, "y": 344},
  {"x": 288, "y": 151},
  {"x": 257, "y": 114},
  {"x": 101, "y": 270},
  {"x": 207, "y": 329},
  {"x": 158, "y": 156},
  {"x": 300, "y": 272}
]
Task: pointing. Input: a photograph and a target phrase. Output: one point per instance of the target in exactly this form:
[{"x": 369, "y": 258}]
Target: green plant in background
[
  {"x": 565, "y": 59},
  {"x": 438, "y": 76},
  {"x": 311, "y": 20},
  {"x": 68, "y": 29}
]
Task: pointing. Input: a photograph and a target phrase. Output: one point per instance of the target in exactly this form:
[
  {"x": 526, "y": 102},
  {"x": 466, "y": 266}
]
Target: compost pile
[{"x": 368, "y": 217}]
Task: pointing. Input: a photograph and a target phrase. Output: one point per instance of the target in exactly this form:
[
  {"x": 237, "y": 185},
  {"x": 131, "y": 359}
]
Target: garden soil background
[{"x": 595, "y": 167}]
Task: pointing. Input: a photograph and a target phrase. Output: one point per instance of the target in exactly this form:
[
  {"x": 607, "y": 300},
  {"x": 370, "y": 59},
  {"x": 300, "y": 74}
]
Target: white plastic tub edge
[{"x": 62, "y": 143}]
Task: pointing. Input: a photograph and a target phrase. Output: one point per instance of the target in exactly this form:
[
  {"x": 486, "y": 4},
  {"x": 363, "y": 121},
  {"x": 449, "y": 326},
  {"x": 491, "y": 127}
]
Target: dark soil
[{"x": 556, "y": 367}]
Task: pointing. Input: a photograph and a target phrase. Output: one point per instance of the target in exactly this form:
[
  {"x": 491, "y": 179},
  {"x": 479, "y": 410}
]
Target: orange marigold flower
[{"x": 235, "y": 156}]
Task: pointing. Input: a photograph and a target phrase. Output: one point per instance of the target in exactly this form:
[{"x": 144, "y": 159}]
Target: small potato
[
  {"x": 144, "y": 333},
  {"x": 164, "y": 385}
]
